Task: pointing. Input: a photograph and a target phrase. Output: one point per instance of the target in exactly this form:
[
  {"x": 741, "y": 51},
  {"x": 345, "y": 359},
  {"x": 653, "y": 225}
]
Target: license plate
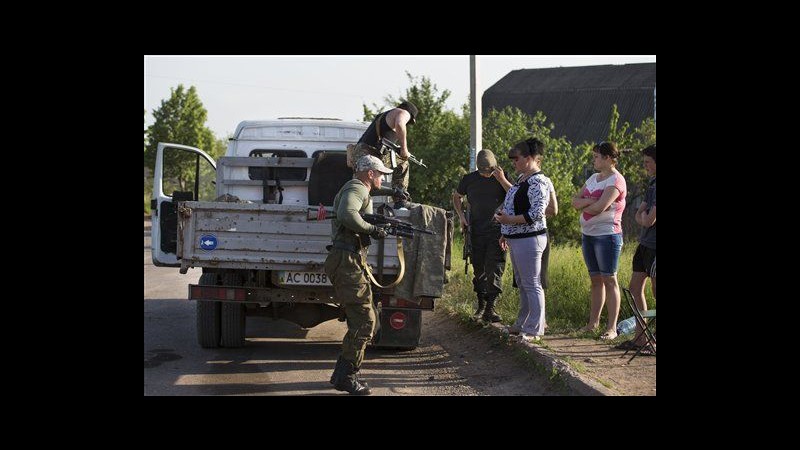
[{"x": 292, "y": 278}]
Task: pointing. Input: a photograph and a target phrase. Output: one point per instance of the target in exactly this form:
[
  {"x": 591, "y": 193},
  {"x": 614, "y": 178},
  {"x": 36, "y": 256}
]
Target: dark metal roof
[{"x": 578, "y": 100}]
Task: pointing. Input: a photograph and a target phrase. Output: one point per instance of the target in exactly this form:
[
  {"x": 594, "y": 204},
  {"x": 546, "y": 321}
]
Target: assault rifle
[
  {"x": 388, "y": 146},
  {"x": 467, "y": 243},
  {"x": 395, "y": 227}
]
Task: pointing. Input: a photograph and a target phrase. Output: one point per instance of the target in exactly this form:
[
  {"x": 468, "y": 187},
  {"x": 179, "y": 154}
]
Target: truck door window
[
  {"x": 284, "y": 173},
  {"x": 186, "y": 171},
  {"x": 207, "y": 185}
]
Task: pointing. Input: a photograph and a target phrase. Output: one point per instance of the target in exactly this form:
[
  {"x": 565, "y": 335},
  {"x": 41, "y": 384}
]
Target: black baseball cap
[{"x": 411, "y": 108}]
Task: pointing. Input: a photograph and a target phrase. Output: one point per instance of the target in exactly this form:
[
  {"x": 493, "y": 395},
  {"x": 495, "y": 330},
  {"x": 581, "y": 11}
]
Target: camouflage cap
[
  {"x": 369, "y": 162},
  {"x": 486, "y": 161}
]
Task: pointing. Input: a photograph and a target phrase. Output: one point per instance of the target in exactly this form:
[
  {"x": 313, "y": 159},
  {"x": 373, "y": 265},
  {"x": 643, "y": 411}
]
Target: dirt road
[{"x": 281, "y": 358}]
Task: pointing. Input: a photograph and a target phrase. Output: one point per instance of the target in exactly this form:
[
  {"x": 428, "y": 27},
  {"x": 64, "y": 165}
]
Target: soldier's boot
[
  {"x": 481, "y": 307},
  {"x": 339, "y": 370},
  {"x": 344, "y": 378},
  {"x": 488, "y": 314},
  {"x": 359, "y": 380}
]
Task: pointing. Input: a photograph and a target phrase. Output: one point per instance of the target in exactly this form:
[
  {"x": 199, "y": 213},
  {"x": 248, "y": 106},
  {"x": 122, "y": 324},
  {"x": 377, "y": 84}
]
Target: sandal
[
  {"x": 647, "y": 351},
  {"x": 530, "y": 338},
  {"x": 608, "y": 335}
]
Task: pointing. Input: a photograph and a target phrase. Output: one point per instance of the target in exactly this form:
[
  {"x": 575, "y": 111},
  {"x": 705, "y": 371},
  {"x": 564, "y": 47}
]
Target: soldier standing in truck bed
[{"x": 393, "y": 125}]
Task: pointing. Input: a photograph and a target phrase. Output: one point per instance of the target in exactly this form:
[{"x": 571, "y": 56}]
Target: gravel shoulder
[{"x": 584, "y": 366}]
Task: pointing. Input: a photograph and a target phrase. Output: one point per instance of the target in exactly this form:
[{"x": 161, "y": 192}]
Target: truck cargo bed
[{"x": 257, "y": 236}]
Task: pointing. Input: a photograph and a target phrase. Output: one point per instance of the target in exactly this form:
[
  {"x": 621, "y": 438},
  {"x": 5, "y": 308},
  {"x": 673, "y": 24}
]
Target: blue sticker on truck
[{"x": 208, "y": 242}]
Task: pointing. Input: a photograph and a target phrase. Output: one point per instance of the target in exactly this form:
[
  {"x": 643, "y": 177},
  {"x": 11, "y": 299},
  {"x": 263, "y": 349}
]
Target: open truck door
[{"x": 187, "y": 174}]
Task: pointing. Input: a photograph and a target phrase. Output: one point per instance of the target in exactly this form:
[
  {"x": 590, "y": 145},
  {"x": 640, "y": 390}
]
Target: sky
[{"x": 237, "y": 88}]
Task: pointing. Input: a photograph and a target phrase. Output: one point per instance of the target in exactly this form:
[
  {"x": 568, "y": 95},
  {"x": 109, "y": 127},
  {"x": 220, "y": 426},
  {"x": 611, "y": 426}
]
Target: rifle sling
[
  {"x": 399, "y": 275},
  {"x": 378, "y": 129}
]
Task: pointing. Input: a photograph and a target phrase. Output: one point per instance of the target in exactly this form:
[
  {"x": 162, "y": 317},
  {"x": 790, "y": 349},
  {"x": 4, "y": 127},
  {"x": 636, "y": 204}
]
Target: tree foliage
[
  {"x": 439, "y": 137},
  {"x": 181, "y": 120}
]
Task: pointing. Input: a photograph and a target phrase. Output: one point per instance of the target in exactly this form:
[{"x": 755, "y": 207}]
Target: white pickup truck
[{"x": 251, "y": 233}]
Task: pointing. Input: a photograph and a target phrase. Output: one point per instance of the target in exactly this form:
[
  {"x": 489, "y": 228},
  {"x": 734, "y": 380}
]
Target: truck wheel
[
  {"x": 233, "y": 316},
  {"x": 208, "y": 316}
]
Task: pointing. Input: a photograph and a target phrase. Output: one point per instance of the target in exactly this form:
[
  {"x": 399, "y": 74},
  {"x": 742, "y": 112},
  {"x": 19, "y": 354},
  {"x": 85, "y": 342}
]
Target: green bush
[{"x": 569, "y": 165}]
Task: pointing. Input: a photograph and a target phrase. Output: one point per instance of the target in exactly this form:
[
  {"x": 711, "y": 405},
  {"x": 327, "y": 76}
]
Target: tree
[
  {"x": 180, "y": 120},
  {"x": 439, "y": 137}
]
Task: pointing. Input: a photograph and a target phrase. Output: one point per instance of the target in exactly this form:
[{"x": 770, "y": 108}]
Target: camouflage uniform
[{"x": 346, "y": 264}]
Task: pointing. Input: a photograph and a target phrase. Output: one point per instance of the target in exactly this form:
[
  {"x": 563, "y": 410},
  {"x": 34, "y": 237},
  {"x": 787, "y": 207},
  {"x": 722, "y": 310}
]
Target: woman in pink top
[{"x": 601, "y": 201}]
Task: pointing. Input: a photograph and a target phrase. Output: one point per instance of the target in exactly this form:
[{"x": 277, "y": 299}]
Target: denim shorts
[{"x": 601, "y": 253}]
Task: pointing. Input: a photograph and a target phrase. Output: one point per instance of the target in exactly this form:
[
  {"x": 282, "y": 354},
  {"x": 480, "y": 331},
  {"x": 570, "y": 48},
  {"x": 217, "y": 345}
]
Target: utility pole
[{"x": 475, "y": 122}]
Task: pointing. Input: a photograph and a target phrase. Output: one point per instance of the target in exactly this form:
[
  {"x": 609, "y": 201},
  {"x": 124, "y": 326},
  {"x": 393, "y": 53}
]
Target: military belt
[{"x": 347, "y": 247}]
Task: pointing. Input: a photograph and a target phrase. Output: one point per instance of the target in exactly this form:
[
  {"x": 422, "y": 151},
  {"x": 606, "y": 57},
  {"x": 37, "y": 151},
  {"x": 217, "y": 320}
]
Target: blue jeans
[{"x": 601, "y": 253}]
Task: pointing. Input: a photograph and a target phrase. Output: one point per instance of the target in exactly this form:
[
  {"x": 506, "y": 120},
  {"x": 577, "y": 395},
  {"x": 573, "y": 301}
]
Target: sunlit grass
[{"x": 567, "y": 298}]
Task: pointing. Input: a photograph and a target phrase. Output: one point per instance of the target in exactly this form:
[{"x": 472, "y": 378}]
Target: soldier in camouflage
[{"x": 346, "y": 264}]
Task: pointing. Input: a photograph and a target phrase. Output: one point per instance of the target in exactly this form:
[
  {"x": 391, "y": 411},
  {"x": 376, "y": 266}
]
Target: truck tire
[
  {"x": 208, "y": 316},
  {"x": 233, "y": 316}
]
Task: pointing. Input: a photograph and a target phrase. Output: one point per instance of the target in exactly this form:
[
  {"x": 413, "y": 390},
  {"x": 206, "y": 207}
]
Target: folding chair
[{"x": 646, "y": 327}]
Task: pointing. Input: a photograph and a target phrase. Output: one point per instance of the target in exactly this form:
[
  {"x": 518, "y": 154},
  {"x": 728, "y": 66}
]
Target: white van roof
[{"x": 302, "y": 128}]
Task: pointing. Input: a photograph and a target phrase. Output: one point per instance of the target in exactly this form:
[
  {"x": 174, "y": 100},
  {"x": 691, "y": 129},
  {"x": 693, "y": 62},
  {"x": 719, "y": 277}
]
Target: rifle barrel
[
  {"x": 416, "y": 161},
  {"x": 400, "y": 228}
]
